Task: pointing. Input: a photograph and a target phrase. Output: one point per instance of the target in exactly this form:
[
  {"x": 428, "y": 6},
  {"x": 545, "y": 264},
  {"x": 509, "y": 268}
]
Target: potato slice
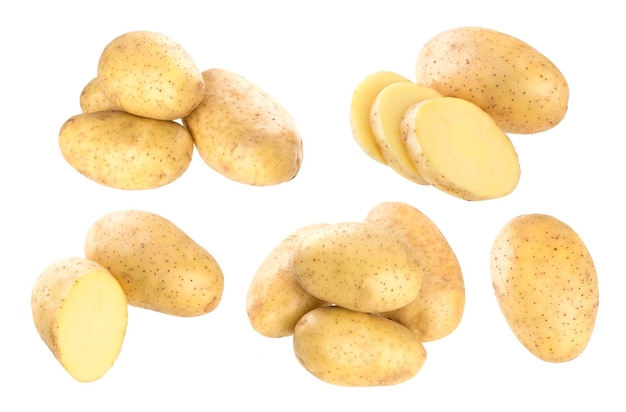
[
  {"x": 460, "y": 149},
  {"x": 385, "y": 117},
  {"x": 362, "y": 100},
  {"x": 80, "y": 312}
]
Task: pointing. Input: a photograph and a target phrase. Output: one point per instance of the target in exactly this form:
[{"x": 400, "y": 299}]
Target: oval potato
[
  {"x": 93, "y": 99},
  {"x": 546, "y": 284}
]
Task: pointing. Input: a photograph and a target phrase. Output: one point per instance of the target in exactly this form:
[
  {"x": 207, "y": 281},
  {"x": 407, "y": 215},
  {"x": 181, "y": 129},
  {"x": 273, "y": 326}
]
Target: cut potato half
[
  {"x": 385, "y": 116},
  {"x": 81, "y": 313},
  {"x": 460, "y": 149},
  {"x": 362, "y": 99}
]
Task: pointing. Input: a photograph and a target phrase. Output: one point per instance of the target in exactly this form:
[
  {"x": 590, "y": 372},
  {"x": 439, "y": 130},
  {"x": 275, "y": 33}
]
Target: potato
[
  {"x": 357, "y": 266},
  {"x": 275, "y": 300},
  {"x": 438, "y": 309},
  {"x": 124, "y": 151},
  {"x": 517, "y": 85},
  {"x": 360, "y": 107},
  {"x": 244, "y": 133},
  {"x": 92, "y": 99},
  {"x": 459, "y": 149},
  {"x": 158, "y": 265},
  {"x": 546, "y": 284},
  {"x": 81, "y": 313},
  {"x": 386, "y": 114},
  {"x": 149, "y": 74},
  {"x": 349, "y": 348}
]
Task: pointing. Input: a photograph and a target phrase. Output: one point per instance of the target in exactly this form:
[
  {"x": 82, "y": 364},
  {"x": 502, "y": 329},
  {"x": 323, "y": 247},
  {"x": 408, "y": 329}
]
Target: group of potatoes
[
  {"x": 449, "y": 128},
  {"x": 149, "y": 106}
]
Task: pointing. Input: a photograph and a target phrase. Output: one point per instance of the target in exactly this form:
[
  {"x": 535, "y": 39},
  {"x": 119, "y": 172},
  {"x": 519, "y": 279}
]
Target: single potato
[
  {"x": 360, "y": 108},
  {"x": 81, "y": 314},
  {"x": 459, "y": 149},
  {"x": 357, "y": 266},
  {"x": 244, "y": 133},
  {"x": 517, "y": 85},
  {"x": 92, "y": 99},
  {"x": 439, "y": 307},
  {"x": 124, "y": 151},
  {"x": 275, "y": 300},
  {"x": 349, "y": 348},
  {"x": 546, "y": 284},
  {"x": 149, "y": 74},
  {"x": 157, "y": 264}
]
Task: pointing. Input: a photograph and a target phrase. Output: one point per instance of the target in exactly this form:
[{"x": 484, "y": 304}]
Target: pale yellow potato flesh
[
  {"x": 360, "y": 107},
  {"x": 546, "y": 285},
  {"x": 385, "y": 116},
  {"x": 459, "y": 149},
  {"x": 81, "y": 312}
]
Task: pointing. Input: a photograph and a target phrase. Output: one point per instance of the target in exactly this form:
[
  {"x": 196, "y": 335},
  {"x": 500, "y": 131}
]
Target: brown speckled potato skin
[
  {"x": 350, "y": 348},
  {"x": 546, "y": 285},
  {"x": 158, "y": 265},
  {"x": 517, "y": 85}
]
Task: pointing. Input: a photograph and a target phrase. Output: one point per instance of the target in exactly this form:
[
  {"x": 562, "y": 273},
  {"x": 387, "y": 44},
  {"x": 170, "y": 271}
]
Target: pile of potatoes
[
  {"x": 149, "y": 106},
  {"x": 449, "y": 128},
  {"x": 360, "y": 298},
  {"x": 132, "y": 257}
]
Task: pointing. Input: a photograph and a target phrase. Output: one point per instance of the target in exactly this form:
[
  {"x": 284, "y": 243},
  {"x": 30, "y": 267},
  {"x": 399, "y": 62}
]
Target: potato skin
[
  {"x": 92, "y": 99},
  {"x": 350, "y": 348},
  {"x": 124, "y": 151},
  {"x": 546, "y": 284},
  {"x": 243, "y": 133},
  {"x": 158, "y": 265},
  {"x": 518, "y": 86}
]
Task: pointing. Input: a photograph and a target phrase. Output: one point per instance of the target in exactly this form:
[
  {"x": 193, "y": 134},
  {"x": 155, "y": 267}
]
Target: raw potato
[
  {"x": 350, "y": 348},
  {"x": 386, "y": 114},
  {"x": 151, "y": 75},
  {"x": 275, "y": 300},
  {"x": 546, "y": 285},
  {"x": 459, "y": 149},
  {"x": 438, "y": 309},
  {"x": 81, "y": 313},
  {"x": 158, "y": 265},
  {"x": 357, "y": 266},
  {"x": 92, "y": 99},
  {"x": 362, "y": 100},
  {"x": 244, "y": 133},
  {"x": 124, "y": 151},
  {"x": 517, "y": 85}
]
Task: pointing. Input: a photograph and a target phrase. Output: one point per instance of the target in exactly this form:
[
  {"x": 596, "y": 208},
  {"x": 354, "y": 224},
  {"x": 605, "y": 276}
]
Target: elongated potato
[
  {"x": 157, "y": 264},
  {"x": 275, "y": 300},
  {"x": 386, "y": 115},
  {"x": 546, "y": 284},
  {"x": 357, "y": 266},
  {"x": 93, "y": 99},
  {"x": 349, "y": 348},
  {"x": 124, "y": 151},
  {"x": 459, "y": 149},
  {"x": 244, "y": 133},
  {"x": 439, "y": 307},
  {"x": 517, "y": 85},
  {"x": 360, "y": 108},
  {"x": 81, "y": 313}
]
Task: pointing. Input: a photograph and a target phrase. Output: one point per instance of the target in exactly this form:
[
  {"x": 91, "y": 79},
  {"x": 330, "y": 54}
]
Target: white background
[{"x": 310, "y": 56}]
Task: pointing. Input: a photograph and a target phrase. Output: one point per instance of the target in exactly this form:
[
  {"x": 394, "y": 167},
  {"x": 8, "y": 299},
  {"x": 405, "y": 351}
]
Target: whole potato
[
  {"x": 439, "y": 306},
  {"x": 546, "y": 284},
  {"x": 157, "y": 264},
  {"x": 517, "y": 85},
  {"x": 149, "y": 74},
  {"x": 244, "y": 133},
  {"x": 124, "y": 151},
  {"x": 357, "y": 266},
  {"x": 92, "y": 99},
  {"x": 349, "y": 348},
  {"x": 275, "y": 300}
]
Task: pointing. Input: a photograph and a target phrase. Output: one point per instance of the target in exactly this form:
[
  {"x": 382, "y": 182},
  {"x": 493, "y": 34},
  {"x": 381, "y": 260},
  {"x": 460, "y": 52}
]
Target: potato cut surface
[
  {"x": 385, "y": 117},
  {"x": 460, "y": 149},
  {"x": 362, "y": 100}
]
